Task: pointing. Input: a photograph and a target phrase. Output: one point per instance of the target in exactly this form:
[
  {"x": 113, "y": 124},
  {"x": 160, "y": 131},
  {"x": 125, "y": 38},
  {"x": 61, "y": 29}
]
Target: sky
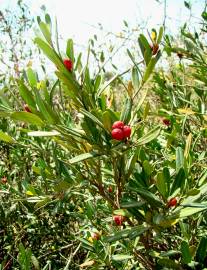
[{"x": 80, "y": 19}]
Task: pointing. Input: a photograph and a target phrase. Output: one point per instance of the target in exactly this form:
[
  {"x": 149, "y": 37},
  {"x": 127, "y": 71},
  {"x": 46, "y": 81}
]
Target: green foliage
[{"x": 66, "y": 181}]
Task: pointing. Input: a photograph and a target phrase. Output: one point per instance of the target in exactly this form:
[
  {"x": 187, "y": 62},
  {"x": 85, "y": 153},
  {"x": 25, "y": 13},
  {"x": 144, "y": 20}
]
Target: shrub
[{"x": 134, "y": 201}]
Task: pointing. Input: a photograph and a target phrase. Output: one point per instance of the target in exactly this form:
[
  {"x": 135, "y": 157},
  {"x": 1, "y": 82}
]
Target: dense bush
[{"x": 80, "y": 190}]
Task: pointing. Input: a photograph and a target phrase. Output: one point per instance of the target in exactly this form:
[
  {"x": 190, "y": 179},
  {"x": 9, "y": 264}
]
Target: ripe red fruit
[
  {"x": 68, "y": 64},
  {"x": 118, "y": 124},
  {"x": 172, "y": 202},
  {"x": 110, "y": 189},
  {"x": 127, "y": 131},
  {"x": 118, "y": 220},
  {"x": 95, "y": 235},
  {"x": 117, "y": 134},
  {"x": 26, "y": 108},
  {"x": 166, "y": 122}
]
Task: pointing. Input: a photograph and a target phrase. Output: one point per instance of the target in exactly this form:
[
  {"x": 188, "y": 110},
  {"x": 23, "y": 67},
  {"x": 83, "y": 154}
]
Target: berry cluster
[{"x": 120, "y": 131}]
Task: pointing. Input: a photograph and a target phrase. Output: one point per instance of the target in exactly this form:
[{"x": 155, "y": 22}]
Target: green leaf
[
  {"x": 179, "y": 159},
  {"x": 46, "y": 32},
  {"x": 161, "y": 184},
  {"x": 186, "y": 254},
  {"x": 107, "y": 121},
  {"x": 160, "y": 35},
  {"x": 85, "y": 243},
  {"x": 131, "y": 163},
  {"x": 126, "y": 112},
  {"x": 46, "y": 111},
  {"x": 43, "y": 133},
  {"x": 135, "y": 78},
  {"x": 147, "y": 168},
  {"x": 6, "y": 138},
  {"x": 148, "y": 196},
  {"x": 169, "y": 253},
  {"x": 193, "y": 192},
  {"x": 97, "y": 83},
  {"x": 143, "y": 43},
  {"x": 140, "y": 102},
  {"x": 164, "y": 220},
  {"x": 48, "y": 19},
  {"x": 107, "y": 84},
  {"x": 26, "y": 95},
  {"x": 49, "y": 52},
  {"x": 83, "y": 157},
  {"x": 70, "y": 50},
  {"x": 92, "y": 117},
  {"x": 153, "y": 134},
  {"x": 5, "y": 114},
  {"x": 87, "y": 81},
  {"x": 126, "y": 233},
  {"x": 189, "y": 211},
  {"x": 32, "y": 77},
  {"x": 43, "y": 202},
  {"x": 62, "y": 186},
  {"x": 132, "y": 204},
  {"x": 35, "y": 263},
  {"x": 149, "y": 68},
  {"x": 24, "y": 257},
  {"x": 78, "y": 62},
  {"x": 120, "y": 212},
  {"x": 188, "y": 145},
  {"x": 169, "y": 264},
  {"x": 202, "y": 249},
  {"x": 28, "y": 118},
  {"x": 204, "y": 15},
  {"x": 146, "y": 110},
  {"x": 179, "y": 181},
  {"x": 72, "y": 88},
  {"x": 147, "y": 55},
  {"x": 203, "y": 177},
  {"x": 187, "y": 4},
  {"x": 121, "y": 257},
  {"x": 194, "y": 205}
]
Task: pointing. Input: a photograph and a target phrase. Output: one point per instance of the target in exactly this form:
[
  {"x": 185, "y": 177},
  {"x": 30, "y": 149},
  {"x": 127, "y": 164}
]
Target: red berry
[
  {"x": 95, "y": 235},
  {"x": 110, "y": 189},
  {"x": 118, "y": 124},
  {"x": 117, "y": 134},
  {"x": 166, "y": 122},
  {"x": 68, "y": 64},
  {"x": 127, "y": 131},
  {"x": 172, "y": 202},
  {"x": 118, "y": 220},
  {"x": 26, "y": 108}
]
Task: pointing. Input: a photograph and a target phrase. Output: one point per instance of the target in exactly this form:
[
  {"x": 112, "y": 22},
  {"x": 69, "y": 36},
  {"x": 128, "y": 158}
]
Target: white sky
[{"x": 76, "y": 16}]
